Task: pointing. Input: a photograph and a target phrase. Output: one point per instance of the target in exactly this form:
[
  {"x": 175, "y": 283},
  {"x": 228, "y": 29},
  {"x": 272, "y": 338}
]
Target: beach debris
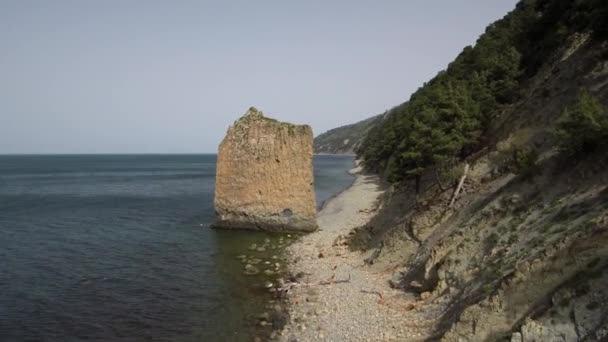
[
  {"x": 332, "y": 280},
  {"x": 379, "y": 294},
  {"x": 339, "y": 241}
]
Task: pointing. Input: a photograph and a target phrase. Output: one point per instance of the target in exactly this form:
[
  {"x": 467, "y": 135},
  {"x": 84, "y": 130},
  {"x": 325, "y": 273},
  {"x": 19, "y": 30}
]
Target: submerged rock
[
  {"x": 264, "y": 177},
  {"x": 251, "y": 270}
]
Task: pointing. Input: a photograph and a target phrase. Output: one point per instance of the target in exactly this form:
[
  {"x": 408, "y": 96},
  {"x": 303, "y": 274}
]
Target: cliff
[
  {"x": 345, "y": 139},
  {"x": 496, "y": 213},
  {"x": 264, "y": 177}
]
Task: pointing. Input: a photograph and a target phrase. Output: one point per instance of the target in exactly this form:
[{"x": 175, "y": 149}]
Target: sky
[{"x": 116, "y": 76}]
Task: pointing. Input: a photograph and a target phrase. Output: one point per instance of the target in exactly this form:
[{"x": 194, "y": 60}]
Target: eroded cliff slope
[
  {"x": 519, "y": 252},
  {"x": 264, "y": 177}
]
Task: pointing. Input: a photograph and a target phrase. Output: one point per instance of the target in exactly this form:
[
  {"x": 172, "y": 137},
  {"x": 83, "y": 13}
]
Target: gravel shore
[{"x": 340, "y": 298}]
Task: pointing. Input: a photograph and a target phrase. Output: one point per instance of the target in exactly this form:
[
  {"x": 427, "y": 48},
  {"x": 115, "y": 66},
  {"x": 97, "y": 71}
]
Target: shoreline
[
  {"x": 353, "y": 173},
  {"x": 338, "y": 297}
]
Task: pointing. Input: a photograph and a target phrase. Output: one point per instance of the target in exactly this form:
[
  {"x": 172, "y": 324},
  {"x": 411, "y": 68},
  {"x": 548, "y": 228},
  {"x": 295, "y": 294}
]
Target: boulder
[{"x": 264, "y": 178}]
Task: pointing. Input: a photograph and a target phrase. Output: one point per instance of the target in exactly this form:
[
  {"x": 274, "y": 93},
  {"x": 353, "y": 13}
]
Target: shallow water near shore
[{"x": 117, "y": 247}]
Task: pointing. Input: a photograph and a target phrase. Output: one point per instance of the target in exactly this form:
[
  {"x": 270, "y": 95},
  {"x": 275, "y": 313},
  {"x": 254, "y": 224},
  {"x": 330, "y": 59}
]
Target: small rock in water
[
  {"x": 251, "y": 270},
  {"x": 255, "y": 261},
  {"x": 242, "y": 256},
  {"x": 275, "y": 257},
  {"x": 253, "y": 247},
  {"x": 261, "y": 249},
  {"x": 266, "y": 240},
  {"x": 268, "y": 284},
  {"x": 269, "y": 272}
]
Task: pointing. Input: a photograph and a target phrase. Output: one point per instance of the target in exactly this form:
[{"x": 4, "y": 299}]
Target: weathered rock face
[{"x": 264, "y": 177}]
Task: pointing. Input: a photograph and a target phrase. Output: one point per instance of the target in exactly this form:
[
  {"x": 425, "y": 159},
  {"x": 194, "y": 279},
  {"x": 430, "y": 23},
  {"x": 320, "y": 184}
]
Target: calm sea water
[{"x": 117, "y": 248}]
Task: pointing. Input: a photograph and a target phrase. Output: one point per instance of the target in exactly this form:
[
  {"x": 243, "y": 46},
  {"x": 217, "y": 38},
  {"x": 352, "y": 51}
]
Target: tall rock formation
[{"x": 264, "y": 178}]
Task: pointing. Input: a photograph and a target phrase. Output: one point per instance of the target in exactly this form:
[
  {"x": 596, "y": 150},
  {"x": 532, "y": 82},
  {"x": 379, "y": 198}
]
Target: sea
[{"x": 118, "y": 248}]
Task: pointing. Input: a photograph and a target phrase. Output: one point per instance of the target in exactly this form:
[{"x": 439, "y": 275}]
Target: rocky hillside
[
  {"x": 345, "y": 139},
  {"x": 495, "y": 218}
]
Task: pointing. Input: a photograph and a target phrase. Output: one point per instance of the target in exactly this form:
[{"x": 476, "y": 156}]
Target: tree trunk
[
  {"x": 438, "y": 180},
  {"x": 460, "y": 183}
]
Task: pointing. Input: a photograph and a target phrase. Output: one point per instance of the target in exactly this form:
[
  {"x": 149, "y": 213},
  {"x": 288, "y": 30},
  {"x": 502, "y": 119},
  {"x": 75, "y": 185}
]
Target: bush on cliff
[
  {"x": 583, "y": 126},
  {"x": 519, "y": 160}
]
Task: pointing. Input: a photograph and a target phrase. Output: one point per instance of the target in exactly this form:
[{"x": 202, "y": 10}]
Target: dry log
[
  {"x": 381, "y": 300},
  {"x": 332, "y": 281},
  {"x": 460, "y": 183}
]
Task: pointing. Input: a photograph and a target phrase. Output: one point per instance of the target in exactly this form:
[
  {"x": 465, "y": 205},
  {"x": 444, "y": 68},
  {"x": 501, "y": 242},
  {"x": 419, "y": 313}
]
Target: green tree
[
  {"x": 583, "y": 126},
  {"x": 444, "y": 120}
]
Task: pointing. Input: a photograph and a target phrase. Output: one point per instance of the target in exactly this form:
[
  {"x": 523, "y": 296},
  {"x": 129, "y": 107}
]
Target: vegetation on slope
[
  {"x": 450, "y": 117},
  {"x": 345, "y": 139},
  {"x": 583, "y": 126},
  {"x": 522, "y": 253}
]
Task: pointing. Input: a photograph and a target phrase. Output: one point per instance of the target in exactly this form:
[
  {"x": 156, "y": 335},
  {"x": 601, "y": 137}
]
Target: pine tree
[{"x": 582, "y": 126}]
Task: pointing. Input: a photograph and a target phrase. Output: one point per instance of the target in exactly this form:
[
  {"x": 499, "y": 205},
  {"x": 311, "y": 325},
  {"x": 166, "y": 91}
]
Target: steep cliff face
[
  {"x": 264, "y": 177},
  {"x": 520, "y": 255}
]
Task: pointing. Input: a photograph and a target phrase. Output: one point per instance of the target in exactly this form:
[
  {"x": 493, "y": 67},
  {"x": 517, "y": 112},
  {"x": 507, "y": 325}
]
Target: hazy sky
[{"x": 170, "y": 76}]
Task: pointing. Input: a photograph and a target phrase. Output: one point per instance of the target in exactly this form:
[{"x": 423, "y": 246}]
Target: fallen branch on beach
[
  {"x": 381, "y": 300},
  {"x": 285, "y": 286},
  {"x": 332, "y": 281}
]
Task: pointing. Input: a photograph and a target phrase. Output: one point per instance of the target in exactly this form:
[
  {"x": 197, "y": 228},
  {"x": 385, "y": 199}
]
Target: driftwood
[
  {"x": 381, "y": 300},
  {"x": 460, "y": 183},
  {"x": 286, "y": 286},
  {"x": 374, "y": 292},
  {"x": 332, "y": 281}
]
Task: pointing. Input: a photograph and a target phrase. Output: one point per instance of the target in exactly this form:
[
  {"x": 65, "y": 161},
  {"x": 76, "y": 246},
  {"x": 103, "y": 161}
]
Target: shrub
[
  {"x": 524, "y": 160},
  {"x": 583, "y": 126},
  {"x": 519, "y": 160}
]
